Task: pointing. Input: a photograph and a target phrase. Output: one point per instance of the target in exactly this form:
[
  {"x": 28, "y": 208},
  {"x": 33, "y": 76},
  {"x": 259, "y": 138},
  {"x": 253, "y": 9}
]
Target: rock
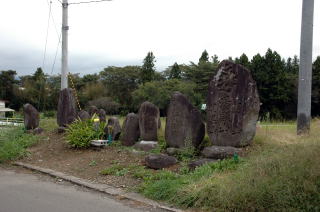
[
  {"x": 148, "y": 121},
  {"x": 61, "y": 130},
  {"x": 172, "y": 151},
  {"x": 159, "y": 161},
  {"x": 37, "y": 131},
  {"x": 232, "y": 106},
  {"x": 116, "y": 128},
  {"x": 184, "y": 125},
  {"x": 31, "y": 117},
  {"x": 102, "y": 115},
  {"x": 130, "y": 130},
  {"x": 93, "y": 110},
  {"x": 83, "y": 115},
  {"x": 66, "y": 108},
  {"x": 194, "y": 164},
  {"x": 146, "y": 145},
  {"x": 220, "y": 152}
]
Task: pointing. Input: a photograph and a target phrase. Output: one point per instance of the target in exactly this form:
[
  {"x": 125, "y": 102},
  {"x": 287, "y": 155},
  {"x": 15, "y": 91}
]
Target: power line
[
  {"x": 88, "y": 2},
  {"x": 47, "y": 35},
  {"x": 55, "y": 56}
]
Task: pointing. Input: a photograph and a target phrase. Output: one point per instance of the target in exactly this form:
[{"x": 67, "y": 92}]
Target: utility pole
[
  {"x": 64, "y": 59},
  {"x": 305, "y": 68}
]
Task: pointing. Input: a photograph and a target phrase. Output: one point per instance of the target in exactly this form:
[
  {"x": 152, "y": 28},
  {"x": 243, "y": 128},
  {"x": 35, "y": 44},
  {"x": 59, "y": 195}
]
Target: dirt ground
[{"x": 54, "y": 153}]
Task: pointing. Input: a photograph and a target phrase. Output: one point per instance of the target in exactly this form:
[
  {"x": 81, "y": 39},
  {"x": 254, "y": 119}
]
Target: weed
[{"x": 93, "y": 163}]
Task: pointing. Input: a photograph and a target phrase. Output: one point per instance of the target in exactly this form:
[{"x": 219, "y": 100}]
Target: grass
[
  {"x": 13, "y": 143},
  {"x": 281, "y": 172}
]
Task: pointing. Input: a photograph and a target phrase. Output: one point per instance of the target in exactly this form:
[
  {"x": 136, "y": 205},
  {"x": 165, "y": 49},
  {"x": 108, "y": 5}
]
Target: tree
[
  {"x": 315, "y": 97},
  {"x": 148, "y": 69},
  {"x": 7, "y": 82},
  {"x": 175, "y": 72},
  {"x": 243, "y": 60},
  {"x": 204, "y": 57},
  {"x": 121, "y": 82}
]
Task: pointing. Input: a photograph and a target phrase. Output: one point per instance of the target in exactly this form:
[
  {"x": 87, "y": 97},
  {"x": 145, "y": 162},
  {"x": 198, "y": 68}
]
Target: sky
[{"x": 122, "y": 32}]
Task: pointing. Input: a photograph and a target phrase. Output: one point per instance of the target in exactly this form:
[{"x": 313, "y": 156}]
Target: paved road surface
[{"x": 21, "y": 192}]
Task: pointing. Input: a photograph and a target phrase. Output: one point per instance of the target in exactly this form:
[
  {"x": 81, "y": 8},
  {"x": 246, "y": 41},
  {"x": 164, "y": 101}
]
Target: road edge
[{"x": 107, "y": 189}]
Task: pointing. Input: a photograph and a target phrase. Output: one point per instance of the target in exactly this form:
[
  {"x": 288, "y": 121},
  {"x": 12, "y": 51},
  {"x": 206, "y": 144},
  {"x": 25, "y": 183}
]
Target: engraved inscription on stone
[{"x": 232, "y": 106}]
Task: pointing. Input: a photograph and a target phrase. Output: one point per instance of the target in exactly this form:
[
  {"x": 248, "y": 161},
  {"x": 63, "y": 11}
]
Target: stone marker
[
  {"x": 116, "y": 128},
  {"x": 159, "y": 161},
  {"x": 102, "y": 115},
  {"x": 220, "y": 152},
  {"x": 130, "y": 130},
  {"x": 146, "y": 145},
  {"x": 184, "y": 125},
  {"x": 232, "y": 106},
  {"x": 148, "y": 121},
  {"x": 66, "y": 108},
  {"x": 31, "y": 117},
  {"x": 83, "y": 115},
  {"x": 194, "y": 164},
  {"x": 172, "y": 151},
  {"x": 93, "y": 110}
]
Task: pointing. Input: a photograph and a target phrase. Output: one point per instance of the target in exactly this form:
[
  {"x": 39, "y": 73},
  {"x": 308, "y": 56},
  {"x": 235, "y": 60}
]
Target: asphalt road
[{"x": 22, "y": 192}]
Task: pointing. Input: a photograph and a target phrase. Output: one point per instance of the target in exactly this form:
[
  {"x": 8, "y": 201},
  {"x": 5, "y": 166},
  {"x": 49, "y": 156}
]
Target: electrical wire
[
  {"x": 47, "y": 35},
  {"x": 55, "y": 56},
  {"x": 88, "y": 2}
]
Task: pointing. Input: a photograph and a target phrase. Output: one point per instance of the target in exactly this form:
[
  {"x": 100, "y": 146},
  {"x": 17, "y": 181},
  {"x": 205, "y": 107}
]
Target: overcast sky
[{"x": 121, "y": 32}]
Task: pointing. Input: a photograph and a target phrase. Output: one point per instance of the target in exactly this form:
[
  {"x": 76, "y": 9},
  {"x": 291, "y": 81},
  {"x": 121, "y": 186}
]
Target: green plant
[
  {"x": 93, "y": 163},
  {"x": 13, "y": 143},
  {"x": 80, "y": 133}
]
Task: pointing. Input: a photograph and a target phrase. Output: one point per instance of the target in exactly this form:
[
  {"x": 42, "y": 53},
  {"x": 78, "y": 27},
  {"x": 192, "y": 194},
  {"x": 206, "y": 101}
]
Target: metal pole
[
  {"x": 64, "y": 59},
  {"x": 305, "y": 68}
]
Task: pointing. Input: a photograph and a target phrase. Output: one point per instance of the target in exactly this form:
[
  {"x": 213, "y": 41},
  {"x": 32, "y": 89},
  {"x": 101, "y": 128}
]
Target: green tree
[
  {"x": 204, "y": 57},
  {"x": 121, "y": 82},
  {"x": 175, "y": 72},
  {"x": 243, "y": 60},
  {"x": 315, "y": 97},
  {"x": 148, "y": 69},
  {"x": 7, "y": 82}
]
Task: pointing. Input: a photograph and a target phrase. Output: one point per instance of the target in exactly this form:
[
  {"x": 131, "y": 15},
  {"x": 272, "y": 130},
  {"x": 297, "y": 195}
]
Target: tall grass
[
  {"x": 13, "y": 143},
  {"x": 280, "y": 173}
]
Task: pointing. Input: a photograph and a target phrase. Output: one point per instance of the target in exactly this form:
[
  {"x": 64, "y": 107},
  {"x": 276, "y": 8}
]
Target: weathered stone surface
[
  {"x": 148, "y": 121},
  {"x": 31, "y": 117},
  {"x": 116, "y": 128},
  {"x": 66, "y": 108},
  {"x": 220, "y": 152},
  {"x": 146, "y": 145},
  {"x": 93, "y": 110},
  {"x": 102, "y": 115},
  {"x": 232, "y": 106},
  {"x": 35, "y": 131},
  {"x": 130, "y": 130},
  {"x": 83, "y": 115},
  {"x": 159, "y": 161},
  {"x": 194, "y": 164},
  {"x": 184, "y": 125},
  {"x": 61, "y": 130},
  {"x": 172, "y": 151}
]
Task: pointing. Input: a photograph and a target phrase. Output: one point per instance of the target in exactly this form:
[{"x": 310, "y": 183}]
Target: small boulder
[
  {"x": 113, "y": 123},
  {"x": 148, "y": 121},
  {"x": 61, "y": 130},
  {"x": 159, "y": 161},
  {"x": 194, "y": 164},
  {"x": 83, "y": 115},
  {"x": 220, "y": 152},
  {"x": 172, "y": 151},
  {"x": 102, "y": 115},
  {"x": 146, "y": 145},
  {"x": 130, "y": 130},
  {"x": 31, "y": 117},
  {"x": 66, "y": 108}
]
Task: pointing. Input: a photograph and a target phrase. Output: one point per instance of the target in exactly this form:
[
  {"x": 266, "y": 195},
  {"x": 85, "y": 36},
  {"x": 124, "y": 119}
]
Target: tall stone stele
[
  {"x": 148, "y": 121},
  {"x": 184, "y": 125},
  {"x": 130, "y": 130},
  {"x": 66, "y": 108},
  {"x": 232, "y": 106},
  {"x": 114, "y": 123},
  {"x": 31, "y": 117}
]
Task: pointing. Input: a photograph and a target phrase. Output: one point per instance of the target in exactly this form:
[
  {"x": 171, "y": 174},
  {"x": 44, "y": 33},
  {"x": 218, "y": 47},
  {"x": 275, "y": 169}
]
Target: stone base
[
  {"x": 61, "y": 129},
  {"x": 194, "y": 164},
  {"x": 36, "y": 131},
  {"x": 220, "y": 152},
  {"x": 146, "y": 145}
]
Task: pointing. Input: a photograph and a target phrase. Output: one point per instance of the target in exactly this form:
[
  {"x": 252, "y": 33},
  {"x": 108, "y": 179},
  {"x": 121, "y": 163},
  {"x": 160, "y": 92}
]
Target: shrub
[
  {"x": 107, "y": 104},
  {"x": 80, "y": 133}
]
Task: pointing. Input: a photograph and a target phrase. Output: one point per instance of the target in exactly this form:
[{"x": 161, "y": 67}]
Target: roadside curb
[{"x": 109, "y": 190}]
